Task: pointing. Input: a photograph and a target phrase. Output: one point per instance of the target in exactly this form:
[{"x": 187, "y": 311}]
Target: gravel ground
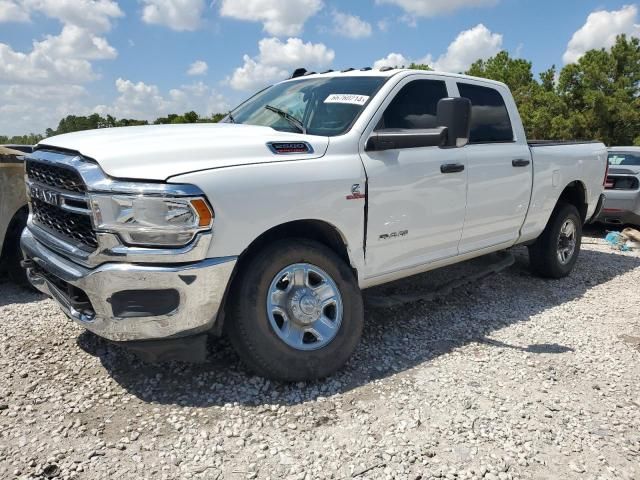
[{"x": 514, "y": 377}]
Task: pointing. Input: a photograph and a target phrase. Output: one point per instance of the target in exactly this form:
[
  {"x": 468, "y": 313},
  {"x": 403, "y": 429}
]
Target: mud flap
[{"x": 192, "y": 349}]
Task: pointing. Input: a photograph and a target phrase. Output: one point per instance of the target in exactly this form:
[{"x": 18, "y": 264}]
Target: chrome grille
[
  {"x": 72, "y": 227},
  {"x": 55, "y": 176},
  {"x": 63, "y": 215}
]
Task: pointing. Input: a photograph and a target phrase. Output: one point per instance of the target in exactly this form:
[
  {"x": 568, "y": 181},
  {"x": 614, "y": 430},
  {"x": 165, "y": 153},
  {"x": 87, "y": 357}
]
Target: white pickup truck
[{"x": 268, "y": 226}]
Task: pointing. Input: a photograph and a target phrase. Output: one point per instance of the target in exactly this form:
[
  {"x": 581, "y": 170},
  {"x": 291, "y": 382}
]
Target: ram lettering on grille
[{"x": 72, "y": 227}]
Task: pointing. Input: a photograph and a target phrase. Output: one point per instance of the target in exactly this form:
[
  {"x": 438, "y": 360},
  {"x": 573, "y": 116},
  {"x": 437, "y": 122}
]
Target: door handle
[
  {"x": 451, "y": 168},
  {"x": 520, "y": 162}
]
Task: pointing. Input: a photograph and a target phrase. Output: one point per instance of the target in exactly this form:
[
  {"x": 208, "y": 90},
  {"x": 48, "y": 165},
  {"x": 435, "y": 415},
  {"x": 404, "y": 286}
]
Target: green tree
[
  {"x": 420, "y": 66},
  {"x": 530, "y": 96},
  {"x": 597, "y": 98},
  {"x": 30, "y": 139},
  {"x": 216, "y": 117},
  {"x": 603, "y": 89},
  {"x": 515, "y": 72}
]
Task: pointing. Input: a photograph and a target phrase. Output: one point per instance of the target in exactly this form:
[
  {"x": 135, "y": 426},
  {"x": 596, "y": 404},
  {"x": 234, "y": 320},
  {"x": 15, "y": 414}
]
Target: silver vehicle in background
[
  {"x": 622, "y": 188},
  {"x": 13, "y": 209}
]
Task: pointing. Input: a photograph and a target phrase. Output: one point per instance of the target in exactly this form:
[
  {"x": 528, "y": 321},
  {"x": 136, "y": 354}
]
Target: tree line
[
  {"x": 596, "y": 98},
  {"x": 74, "y": 123}
]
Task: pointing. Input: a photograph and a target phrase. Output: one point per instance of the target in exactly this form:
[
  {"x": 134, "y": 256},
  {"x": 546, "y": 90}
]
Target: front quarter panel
[{"x": 249, "y": 200}]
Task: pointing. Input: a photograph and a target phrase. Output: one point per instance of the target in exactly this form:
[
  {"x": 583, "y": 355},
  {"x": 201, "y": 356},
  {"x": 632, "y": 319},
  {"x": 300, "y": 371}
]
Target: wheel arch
[
  {"x": 13, "y": 229},
  {"x": 575, "y": 193},
  {"x": 311, "y": 229}
]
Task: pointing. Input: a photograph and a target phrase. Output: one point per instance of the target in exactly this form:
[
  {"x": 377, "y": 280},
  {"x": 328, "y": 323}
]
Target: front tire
[
  {"x": 12, "y": 253},
  {"x": 296, "y": 311},
  {"x": 555, "y": 252}
]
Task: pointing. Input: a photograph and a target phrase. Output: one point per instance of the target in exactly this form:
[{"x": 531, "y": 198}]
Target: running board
[{"x": 505, "y": 260}]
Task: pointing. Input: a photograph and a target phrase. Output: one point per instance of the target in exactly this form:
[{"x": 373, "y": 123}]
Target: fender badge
[
  {"x": 288, "y": 148},
  {"x": 393, "y": 235},
  {"x": 355, "y": 193}
]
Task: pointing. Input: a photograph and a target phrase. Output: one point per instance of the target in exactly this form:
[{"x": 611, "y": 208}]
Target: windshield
[
  {"x": 624, "y": 159},
  {"x": 319, "y": 106}
]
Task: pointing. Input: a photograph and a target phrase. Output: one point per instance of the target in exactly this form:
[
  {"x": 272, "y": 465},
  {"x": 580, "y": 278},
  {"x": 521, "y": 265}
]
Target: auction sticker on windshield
[{"x": 350, "y": 98}]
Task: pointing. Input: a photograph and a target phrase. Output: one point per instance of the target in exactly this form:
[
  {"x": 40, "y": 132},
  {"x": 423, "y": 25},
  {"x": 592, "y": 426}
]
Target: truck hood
[{"x": 158, "y": 152}]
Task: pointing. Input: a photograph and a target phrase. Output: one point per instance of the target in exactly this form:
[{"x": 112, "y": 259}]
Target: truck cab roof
[{"x": 391, "y": 72}]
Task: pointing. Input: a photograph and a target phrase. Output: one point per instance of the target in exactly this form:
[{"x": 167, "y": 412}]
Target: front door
[{"x": 416, "y": 207}]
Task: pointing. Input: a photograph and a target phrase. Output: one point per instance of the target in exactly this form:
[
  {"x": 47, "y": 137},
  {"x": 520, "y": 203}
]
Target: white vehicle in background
[
  {"x": 622, "y": 188},
  {"x": 13, "y": 210},
  {"x": 269, "y": 225}
]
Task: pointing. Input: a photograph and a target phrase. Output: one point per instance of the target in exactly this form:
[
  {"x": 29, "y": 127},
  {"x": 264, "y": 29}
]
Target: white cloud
[
  {"x": 383, "y": 25},
  {"x": 392, "y": 60},
  {"x": 469, "y": 46},
  {"x": 253, "y": 75},
  {"x": 13, "y": 11},
  {"x": 33, "y": 108},
  {"x": 350, "y": 26},
  {"x": 95, "y": 15},
  {"x": 145, "y": 101},
  {"x": 432, "y": 8},
  {"x": 39, "y": 86},
  {"x": 294, "y": 53},
  {"x": 600, "y": 31},
  {"x": 63, "y": 58},
  {"x": 76, "y": 42},
  {"x": 198, "y": 67},
  {"x": 178, "y": 15},
  {"x": 276, "y": 60},
  {"x": 279, "y": 17}
]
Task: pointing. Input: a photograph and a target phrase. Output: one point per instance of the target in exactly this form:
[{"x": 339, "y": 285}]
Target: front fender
[{"x": 249, "y": 200}]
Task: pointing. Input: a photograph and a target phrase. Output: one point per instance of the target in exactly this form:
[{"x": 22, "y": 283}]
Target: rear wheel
[
  {"x": 555, "y": 252},
  {"x": 296, "y": 311}
]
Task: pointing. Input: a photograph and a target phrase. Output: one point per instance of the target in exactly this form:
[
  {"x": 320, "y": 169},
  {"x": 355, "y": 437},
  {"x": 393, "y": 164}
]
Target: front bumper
[{"x": 177, "y": 299}]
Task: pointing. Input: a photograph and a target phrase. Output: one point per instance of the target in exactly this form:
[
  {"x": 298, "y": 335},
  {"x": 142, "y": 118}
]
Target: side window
[
  {"x": 490, "y": 121},
  {"x": 415, "y": 106}
]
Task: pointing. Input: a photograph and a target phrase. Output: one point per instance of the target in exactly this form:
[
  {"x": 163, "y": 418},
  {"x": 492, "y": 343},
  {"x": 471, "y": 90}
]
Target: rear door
[
  {"x": 415, "y": 211},
  {"x": 499, "y": 168}
]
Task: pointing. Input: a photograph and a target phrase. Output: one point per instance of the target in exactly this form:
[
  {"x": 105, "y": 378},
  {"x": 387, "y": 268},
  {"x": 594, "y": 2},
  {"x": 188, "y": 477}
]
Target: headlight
[{"x": 151, "y": 221}]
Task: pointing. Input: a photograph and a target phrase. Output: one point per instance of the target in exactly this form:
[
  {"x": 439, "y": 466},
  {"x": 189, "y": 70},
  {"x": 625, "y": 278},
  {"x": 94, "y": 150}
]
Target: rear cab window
[{"x": 490, "y": 122}]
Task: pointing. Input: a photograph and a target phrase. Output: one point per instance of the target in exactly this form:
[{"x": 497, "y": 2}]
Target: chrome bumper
[{"x": 200, "y": 290}]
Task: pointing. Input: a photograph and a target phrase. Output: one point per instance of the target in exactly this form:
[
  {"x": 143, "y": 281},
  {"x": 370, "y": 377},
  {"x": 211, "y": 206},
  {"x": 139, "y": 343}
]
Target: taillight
[{"x": 606, "y": 183}]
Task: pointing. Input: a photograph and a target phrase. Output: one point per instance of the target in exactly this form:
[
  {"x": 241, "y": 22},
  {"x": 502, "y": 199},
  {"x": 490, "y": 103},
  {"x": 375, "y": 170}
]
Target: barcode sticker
[{"x": 350, "y": 98}]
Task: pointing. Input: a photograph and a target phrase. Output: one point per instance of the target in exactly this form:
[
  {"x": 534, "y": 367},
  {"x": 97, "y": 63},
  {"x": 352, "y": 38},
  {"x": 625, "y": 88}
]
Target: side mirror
[
  {"x": 455, "y": 115},
  {"x": 394, "y": 138},
  {"x": 454, "y": 118}
]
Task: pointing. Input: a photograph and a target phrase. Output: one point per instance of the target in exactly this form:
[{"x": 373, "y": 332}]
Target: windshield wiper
[
  {"x": 230, "y": 117},
  {"x": 288, "y": 117}
]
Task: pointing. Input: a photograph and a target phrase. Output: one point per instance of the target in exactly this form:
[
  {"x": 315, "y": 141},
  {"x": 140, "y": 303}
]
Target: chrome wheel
[
  {"x": 304, "y": 306},
  {"x": 567, "y": 241}
]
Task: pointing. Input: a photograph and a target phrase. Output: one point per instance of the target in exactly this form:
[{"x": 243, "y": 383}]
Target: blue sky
[{"x": 146, "y": 58}]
